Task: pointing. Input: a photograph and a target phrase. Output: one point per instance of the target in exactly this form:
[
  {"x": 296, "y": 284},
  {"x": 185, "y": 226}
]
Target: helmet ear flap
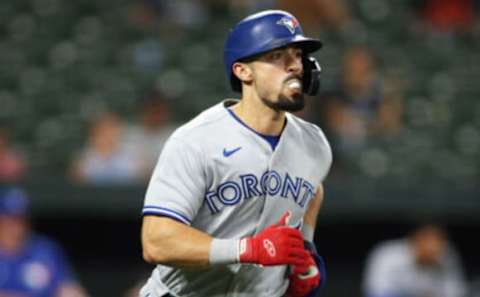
[{"x": 311, "y": 75}]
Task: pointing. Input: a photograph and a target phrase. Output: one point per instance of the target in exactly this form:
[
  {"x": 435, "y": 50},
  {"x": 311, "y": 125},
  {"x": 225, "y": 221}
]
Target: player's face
[
  {"x": 278, "y": 79},
  {"x": 13, "y": 231}
]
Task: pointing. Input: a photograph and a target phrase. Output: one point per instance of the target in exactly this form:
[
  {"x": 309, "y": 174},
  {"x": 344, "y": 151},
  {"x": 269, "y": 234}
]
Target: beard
[{"x": 293, "y": 104}]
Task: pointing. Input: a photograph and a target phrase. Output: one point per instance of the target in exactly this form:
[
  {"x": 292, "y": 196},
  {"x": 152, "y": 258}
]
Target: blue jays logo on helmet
[
  {"x": 290, "y": 23},
  {"x": 260, "y": 33}
]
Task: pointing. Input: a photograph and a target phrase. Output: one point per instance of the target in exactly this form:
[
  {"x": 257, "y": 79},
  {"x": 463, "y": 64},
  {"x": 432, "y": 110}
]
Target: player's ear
[{"x": 243, "y": 72}]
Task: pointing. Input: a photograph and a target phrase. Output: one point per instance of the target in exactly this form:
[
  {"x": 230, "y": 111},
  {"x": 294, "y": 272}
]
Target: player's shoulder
[
  {"x": 309, "y": 132},
  {"x": 305, "y": 127},
  {"x": 204, "y": 124}
]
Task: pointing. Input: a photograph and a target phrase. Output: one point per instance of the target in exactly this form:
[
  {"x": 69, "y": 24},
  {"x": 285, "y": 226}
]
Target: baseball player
[
  {"x": 31, "y": 265},
  {"x": 231, "y": 207}
]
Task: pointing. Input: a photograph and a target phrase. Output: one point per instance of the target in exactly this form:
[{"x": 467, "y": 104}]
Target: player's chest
[
  {"x": 257, "y": 182},
  {"x": 235, "y": 159},
  {"x": 240, "y": 172}
]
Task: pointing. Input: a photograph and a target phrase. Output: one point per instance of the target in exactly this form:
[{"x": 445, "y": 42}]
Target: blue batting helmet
[{"x": 265, "y": 31}]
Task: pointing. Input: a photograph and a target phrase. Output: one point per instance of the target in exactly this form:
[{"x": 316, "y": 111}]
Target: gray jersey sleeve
[{"x": 177, "y": 186}]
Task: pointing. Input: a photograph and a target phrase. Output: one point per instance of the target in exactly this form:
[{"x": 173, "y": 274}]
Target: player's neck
[{"x": 260, "y": 117}]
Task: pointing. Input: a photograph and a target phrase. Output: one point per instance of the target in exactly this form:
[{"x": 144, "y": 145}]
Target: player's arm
[
  {"x": 168, "y": 242},
  {"x": 306, "y": 281},
  {"x": 310, "y": 216}
]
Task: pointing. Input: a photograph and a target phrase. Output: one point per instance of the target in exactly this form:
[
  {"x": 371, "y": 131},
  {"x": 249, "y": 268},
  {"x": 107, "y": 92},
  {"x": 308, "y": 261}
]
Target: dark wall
[{"x": 106, "y": 252}]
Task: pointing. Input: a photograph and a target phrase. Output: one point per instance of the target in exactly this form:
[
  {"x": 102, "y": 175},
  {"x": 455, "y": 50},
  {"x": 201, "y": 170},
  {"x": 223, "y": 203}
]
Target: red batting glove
[
  {"x": 278, "y": 244},
  {"x": 304, "y": 278}
]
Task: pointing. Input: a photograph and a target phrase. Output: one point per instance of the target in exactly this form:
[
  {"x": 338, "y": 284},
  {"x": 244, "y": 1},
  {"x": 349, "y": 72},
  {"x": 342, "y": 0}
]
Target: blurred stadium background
[{"x": 62, "y": 63}]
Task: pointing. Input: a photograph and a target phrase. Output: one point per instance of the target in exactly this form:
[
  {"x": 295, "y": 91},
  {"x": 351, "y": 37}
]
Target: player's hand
[
  {"x": 304, "y": 279},
  {"x": 278, "y": 244}
]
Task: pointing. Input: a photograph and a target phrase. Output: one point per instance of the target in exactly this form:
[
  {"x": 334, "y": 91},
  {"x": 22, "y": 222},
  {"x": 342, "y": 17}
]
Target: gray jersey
[{"x": 223, "y": 178}]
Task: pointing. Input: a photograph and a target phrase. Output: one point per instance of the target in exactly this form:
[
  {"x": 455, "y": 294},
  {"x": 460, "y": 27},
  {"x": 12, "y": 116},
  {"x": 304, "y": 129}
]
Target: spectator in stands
[
  {"x": 106, "y": 159},
  {"x": 360, "y": 106},
  {"x": 149, "y": 15},
  {"x": 314, "y": 15},
  {"x": 12, "y": 164},
  {"x": 422, "y": 265},
  {"x": 446, "y": 16},
  {"x": 147, "y": 138},
  {"x": 31, "y": 265}
]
